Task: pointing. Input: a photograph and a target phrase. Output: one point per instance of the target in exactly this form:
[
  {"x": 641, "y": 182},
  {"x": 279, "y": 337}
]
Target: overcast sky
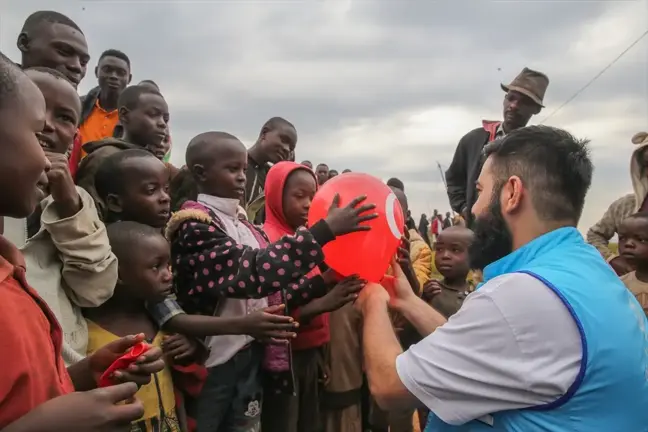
[{"x": 386, "y": 87}]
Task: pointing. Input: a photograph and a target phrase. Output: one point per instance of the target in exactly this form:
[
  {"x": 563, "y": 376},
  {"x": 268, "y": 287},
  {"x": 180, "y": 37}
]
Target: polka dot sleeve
[{"x": 208, "y": 264}]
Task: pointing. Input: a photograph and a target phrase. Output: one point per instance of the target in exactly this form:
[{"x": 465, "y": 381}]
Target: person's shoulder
[
  {"x": 191, "y": 212},
  {"x": 477, "y": 132}
]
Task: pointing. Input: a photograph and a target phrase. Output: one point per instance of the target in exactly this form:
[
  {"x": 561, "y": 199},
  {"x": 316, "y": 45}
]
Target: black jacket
[
  {"x": 466, "y": 166},
  {"x": 87, "y": 104}
]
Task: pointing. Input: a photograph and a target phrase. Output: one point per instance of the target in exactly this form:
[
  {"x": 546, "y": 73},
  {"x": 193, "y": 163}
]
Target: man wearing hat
[{"x": 522, "y": 101}]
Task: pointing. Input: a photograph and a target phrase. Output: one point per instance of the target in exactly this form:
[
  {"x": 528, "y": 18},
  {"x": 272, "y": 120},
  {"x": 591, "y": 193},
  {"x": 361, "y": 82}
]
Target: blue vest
[{"x": 610, "y": 393}]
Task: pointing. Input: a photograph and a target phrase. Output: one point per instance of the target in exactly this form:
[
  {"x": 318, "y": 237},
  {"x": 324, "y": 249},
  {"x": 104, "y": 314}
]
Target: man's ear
[
  {"x": 23, "y": 42},
  {"x": 199, "y": 172},
  {"x": 114, "y": 204},
  {"x": 130, "y": 77}
]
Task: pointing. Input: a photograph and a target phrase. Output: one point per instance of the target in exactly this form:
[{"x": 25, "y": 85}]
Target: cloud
[{"x": 387, "y": 87}]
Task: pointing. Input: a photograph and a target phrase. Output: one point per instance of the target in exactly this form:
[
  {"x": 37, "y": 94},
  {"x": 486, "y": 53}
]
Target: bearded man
[{"x": 551, "y": 341}]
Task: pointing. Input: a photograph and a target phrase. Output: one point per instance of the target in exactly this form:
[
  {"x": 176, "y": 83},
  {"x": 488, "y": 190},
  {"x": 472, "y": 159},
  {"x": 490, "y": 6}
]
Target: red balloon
[{"x": 368, "y": 253}]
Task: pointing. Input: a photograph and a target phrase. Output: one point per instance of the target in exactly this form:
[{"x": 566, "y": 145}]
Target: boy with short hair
[
  {"x": 144, "y": 276},
  {"x": 633, "y": 247},
  {"x": 99, "y": 113},
  {"x": 64, "y": 242},
  {"x": 223, "y": 265},
  {"x": 36, "y": 390},
  {"x": 144, "y": 114},
  {"x": 133, "y": 185},
  {"x": 451, "y": 260},
  {"x": 277, "y": 141}
]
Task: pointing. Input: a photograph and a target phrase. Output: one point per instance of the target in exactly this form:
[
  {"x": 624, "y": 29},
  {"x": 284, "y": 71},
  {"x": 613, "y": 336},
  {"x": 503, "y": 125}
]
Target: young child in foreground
[
  {"x": 633, "y": 247},
  {"x": 224, "y": 266},
  {"x": 144, "y": 276},
  {"x": 37, "y": 392},
  {"x": 289, "y": 190},
  {"x": 64, "y": 241},
  {"x": 451, "y": 259}
]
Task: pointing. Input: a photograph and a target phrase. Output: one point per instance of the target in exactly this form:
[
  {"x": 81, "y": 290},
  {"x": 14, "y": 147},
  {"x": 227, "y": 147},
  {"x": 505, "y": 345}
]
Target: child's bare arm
[{"x": 260, "y": 323}]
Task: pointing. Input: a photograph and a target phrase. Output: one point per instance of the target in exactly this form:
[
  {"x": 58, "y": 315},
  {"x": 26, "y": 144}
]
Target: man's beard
[{"x": 493, "y": 239}]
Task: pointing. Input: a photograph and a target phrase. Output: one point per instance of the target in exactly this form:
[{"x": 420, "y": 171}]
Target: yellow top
[{"x": 157, "y": 396}]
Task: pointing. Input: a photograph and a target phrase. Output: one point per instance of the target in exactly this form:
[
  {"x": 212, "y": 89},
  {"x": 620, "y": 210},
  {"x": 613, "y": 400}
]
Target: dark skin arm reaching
[{"x": 260, "y": 324}]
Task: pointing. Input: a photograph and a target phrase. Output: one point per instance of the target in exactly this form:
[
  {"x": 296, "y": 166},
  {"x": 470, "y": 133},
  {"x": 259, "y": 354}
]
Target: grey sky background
[{"x": 386, "y": 87}]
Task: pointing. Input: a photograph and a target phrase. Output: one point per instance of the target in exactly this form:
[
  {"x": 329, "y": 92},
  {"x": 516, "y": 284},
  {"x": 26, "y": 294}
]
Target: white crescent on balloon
[{"x": 391, "y": 215}]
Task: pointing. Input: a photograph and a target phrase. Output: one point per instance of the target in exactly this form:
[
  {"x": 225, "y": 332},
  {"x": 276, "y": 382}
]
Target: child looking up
[
  {"x": 289, "y": 190},
  {"x": 64, "y": 242},
  {"x": 633, "y": 247},
  {"x": 144, "y": 115},
  {"x": 217, "y": 254},
  {"x": 37, "y": 392},
  {"x": 451, "y": 259},
  {"x": 144, "y": 276}
]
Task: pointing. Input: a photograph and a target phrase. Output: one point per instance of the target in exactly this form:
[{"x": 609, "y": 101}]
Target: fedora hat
[{"x": 530, "y": 83}]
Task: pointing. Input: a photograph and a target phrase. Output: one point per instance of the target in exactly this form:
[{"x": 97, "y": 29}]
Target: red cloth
[
  {"x": 75, "y": 155},
  {"x": 33, "y": 370},
  {"x": 316, "y": 333},
  {"x": 491, "y": 128}
]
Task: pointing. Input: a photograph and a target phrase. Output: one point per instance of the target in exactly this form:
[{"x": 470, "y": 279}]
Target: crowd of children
[{"x": 247, "y": 328}]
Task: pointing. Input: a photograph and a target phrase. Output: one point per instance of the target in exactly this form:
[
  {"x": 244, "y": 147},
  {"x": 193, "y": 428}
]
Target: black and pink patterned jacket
[{"x": 208, "y": 265}]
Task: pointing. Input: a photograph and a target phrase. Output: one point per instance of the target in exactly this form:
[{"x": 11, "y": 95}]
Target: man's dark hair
[
  {"x": 117, "y": 54},
  {"x": 109, "y": 178},
  {"x": 124, "y": 236},
  {"x": 50, "y": 71},
  {"x": 9, "y": 76},
  {"x": 276, "y": 122},
  {"x": 37, "y": 18},
  {"x": 394, "y": 182},
  {"x": 322, "y": 165},
  {"x": 553, "y": 165},
  {"x": 130, "y": 97}
]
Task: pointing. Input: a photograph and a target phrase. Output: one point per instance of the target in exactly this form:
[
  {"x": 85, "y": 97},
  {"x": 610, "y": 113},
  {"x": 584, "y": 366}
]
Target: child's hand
[
  {"x": 105, "y": 409},
  {"x": 179, "y": 347},
  {"x": 431, "y": 289},
  {"x": 61, "y": 186},
  {"x": 344, "y": 292},
  {"x": 140, "y": 372},
  {"x": 405, "y": 262},
  {"x": 347, "y": 220},
  {"x": 267, "y": 326}
]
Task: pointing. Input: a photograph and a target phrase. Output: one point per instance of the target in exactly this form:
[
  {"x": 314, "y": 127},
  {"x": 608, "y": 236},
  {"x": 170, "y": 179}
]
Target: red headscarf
[{"x": 275, "y": 225}]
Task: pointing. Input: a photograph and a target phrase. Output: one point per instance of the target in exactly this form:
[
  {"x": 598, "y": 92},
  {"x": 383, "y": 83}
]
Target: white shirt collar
[{"x": 227, "y": 206}]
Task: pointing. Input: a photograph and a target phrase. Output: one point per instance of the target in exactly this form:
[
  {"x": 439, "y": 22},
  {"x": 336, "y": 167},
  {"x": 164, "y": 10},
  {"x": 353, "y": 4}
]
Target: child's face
[
  {"x": 147, "y": 122},
  {"x": 633, "y": 240},
  {"x": 224, "y": 175},
  {"x": 63, "y": 108},
  {"x": 298, "y": 194},
  {"x": 451, "y": 255},
  {"x": 146, "y": 196},
  {"x": 322, "y": 174},
  {"x": 278, "y": 143},
  {"x": 23, "y": 162},
  {"x": 147, "y": 273}
]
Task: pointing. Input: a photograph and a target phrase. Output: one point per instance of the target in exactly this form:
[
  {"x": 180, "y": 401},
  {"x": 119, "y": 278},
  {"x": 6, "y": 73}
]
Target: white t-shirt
[{"x": 512, "y": 345}]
